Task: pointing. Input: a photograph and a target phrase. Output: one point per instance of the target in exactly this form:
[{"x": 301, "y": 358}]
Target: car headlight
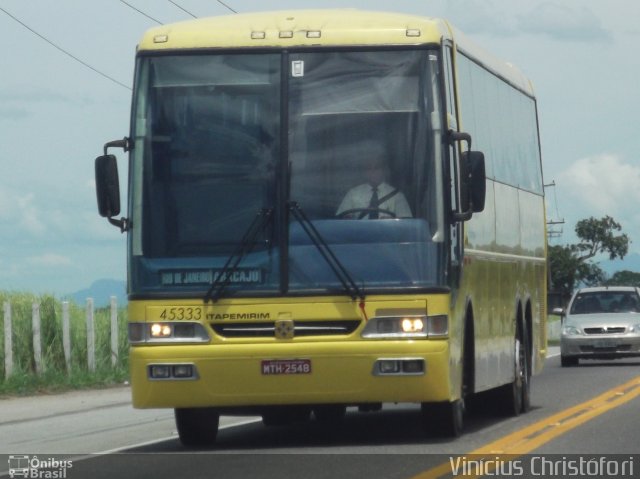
[
  {"x": 635, "y": 329},
  {"x": 571, "y": 331},
  {"x": 418, "y": 326},
  {"x": 167, "y": 332}
]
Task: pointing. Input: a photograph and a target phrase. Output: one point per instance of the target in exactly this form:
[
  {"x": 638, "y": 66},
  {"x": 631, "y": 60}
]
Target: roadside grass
[
  {"x": 27, "y": 383},
  {"x": 553, "y": 323},
  {"x": 54, "y": 376}
]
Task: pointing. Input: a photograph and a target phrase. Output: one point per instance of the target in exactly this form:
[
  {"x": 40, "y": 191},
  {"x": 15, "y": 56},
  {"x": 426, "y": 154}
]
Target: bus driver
[{"x": 375, "y": 199}]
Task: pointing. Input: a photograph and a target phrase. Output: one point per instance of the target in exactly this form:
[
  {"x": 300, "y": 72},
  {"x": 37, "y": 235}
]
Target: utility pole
[{"x": 551, "y": 232}]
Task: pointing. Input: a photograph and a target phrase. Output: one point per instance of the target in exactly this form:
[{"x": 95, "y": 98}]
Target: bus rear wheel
[
  {"x": 197, "y": 426},
  {"x": 515, "y": 397}
]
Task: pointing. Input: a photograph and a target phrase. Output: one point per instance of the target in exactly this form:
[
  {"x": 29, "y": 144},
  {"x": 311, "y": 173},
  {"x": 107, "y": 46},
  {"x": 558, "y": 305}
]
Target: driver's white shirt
[{"x": 360, "y": 197}]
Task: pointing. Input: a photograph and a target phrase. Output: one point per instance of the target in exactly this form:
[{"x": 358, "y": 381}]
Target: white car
[{"x": 601, "y": 323}]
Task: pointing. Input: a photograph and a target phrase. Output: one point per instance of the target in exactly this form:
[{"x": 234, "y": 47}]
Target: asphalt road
[{"x": 386, "y": 444}]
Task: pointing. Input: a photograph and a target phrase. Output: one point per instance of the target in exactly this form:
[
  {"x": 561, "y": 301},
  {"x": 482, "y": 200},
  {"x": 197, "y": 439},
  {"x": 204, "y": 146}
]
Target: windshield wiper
[
  {"x": 248, "y": 241},
  {"x": 329, "y": 256}
]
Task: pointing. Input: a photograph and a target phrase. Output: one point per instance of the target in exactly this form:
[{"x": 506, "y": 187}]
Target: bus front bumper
[{"x": 242, "y": 375}]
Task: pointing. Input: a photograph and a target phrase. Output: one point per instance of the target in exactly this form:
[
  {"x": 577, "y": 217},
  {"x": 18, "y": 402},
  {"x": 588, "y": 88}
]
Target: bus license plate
[{"x": 286, "y": 366}]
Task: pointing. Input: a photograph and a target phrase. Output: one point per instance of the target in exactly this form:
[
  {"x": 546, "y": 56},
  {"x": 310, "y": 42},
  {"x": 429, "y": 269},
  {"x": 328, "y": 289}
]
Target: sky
[{"x": 56, "y": 113}]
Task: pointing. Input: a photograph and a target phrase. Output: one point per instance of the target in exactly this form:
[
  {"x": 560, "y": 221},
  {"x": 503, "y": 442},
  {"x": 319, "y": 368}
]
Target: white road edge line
[
  {"x": 156, "y": 441},
  {"x": 82, "y": 457},
  {"x": 555, "y": 349}
]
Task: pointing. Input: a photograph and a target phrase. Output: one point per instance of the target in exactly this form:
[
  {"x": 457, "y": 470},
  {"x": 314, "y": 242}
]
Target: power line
[
  {"x": 63, "y": 50},
  {"x": 226, "y": 6},
  {"x": 182, "y": 8},
  {"x": 141, "y": 12}
]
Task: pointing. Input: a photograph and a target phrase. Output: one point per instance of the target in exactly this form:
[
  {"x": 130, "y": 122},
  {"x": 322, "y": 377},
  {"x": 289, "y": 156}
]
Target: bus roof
[{"x": 317, "y": 28}]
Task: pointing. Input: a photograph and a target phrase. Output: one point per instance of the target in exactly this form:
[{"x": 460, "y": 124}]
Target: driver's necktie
[{"x": 373, "y": 204}]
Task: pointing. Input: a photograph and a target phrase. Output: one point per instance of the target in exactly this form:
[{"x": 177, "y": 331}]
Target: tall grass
[{"x": 55, "y": 376}]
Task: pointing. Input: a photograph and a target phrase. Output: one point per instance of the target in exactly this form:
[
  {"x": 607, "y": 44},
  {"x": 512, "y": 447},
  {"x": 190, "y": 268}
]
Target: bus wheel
[
  {"x": 444, "y": 419},
  {"x": 526, "y": 380},
  {"x": 513, "y": 397},
  {"x": 197, "y": 426}
]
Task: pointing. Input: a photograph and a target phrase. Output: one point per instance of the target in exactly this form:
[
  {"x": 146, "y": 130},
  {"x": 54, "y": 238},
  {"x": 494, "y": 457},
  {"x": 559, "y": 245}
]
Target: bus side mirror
[
  {"x": 473, "y": 184},
  {"x": 108, "y": 190},
  {"x": 477, "y": 180},
  {"x": 107, "y": 186},
  {"x": 473, "y": 180}
]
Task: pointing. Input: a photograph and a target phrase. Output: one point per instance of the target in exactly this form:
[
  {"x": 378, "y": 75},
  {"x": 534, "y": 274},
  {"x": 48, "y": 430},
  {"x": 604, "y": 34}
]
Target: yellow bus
[{"x": 329, "y": 209}]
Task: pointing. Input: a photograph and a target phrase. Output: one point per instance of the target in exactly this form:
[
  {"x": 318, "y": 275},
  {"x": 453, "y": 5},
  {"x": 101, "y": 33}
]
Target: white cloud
[
  {"x": 13, "y": 113},
  {"x": 28, "y": 215},
  {"x": 562, "y": 22},
  {"x": 50, "y": 259},
  {"x": 505, "y": 18},
  {"x": 19, "y": 213},
  {"x": 601, "y": 185},
  {"x": 604, "y": 184},
  {"x": 484, "y": 17}
]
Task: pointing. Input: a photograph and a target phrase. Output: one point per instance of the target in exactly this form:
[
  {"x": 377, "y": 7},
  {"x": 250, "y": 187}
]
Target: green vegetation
[
  {"x": 55, "y": 376},
  {"x": 570, "y": 265},
  {"x": 554, "y": 323},
  {"x": 624, "y": 278}
]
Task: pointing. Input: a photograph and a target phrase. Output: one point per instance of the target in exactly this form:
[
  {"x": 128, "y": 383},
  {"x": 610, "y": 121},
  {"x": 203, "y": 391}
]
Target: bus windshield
[{"x": 347, "y": 137}]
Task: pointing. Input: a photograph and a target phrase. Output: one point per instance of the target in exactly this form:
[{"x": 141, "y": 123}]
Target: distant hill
[{"x": 101, "y": 292}]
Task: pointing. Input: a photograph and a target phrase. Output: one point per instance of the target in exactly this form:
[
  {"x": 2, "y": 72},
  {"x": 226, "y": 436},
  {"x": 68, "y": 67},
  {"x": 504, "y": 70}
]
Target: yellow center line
[{"x": 533, "y": 436}]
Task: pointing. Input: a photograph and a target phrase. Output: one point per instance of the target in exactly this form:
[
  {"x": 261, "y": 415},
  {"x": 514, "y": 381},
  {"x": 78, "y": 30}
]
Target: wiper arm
[
  {"x": 248, "y": 241},
  {"x": 329, "y": 256}
]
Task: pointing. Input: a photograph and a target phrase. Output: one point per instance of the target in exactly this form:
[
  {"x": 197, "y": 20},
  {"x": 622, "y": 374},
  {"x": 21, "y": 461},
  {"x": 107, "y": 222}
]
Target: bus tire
[
  {"x": 511, "y": 397},
  {"x": 444, "y": 419},
  {"x": 197, "y": 426},
  {"x": 526, "y": 384}
]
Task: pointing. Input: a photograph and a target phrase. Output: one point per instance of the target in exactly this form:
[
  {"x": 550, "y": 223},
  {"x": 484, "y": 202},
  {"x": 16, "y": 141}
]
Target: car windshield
[{"x": 606, "y": 302}]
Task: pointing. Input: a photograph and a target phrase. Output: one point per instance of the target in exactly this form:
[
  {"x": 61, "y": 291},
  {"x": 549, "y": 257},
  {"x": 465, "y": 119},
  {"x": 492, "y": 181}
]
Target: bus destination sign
[{"x": 208, "y": 276}]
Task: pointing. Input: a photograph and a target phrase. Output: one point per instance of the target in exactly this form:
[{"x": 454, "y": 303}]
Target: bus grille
[{"x": 300, "y": 328}]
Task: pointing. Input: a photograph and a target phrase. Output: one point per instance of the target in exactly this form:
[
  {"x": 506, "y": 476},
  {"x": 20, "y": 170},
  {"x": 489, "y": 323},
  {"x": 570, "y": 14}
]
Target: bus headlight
[
  {"x": 167, "y": 332},
  {"x": 412, "y": 325},
  {"x": 420, "y": 326},
  {"x": 159, "y": 330}
]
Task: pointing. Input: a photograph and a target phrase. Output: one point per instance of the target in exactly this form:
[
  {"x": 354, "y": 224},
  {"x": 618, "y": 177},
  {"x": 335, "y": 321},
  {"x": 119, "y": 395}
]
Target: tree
[
  {"x": 598, "y": 236},
  {"x": 567, "y": 270},
  {"x": 569, "y": 264},
  {"x": 624, "y": 278}
]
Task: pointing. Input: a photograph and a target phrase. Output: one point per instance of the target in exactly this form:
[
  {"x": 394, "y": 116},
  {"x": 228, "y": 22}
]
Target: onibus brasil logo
[{"x": 34, "y": 467}]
